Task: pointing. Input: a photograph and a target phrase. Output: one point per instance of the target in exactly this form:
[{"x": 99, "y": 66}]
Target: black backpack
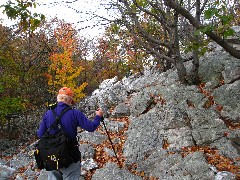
[{"x": 53, "y": 151}]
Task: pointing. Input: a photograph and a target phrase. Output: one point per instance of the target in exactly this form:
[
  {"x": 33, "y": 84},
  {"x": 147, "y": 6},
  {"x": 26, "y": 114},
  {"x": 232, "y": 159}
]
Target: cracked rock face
[{"x": 166, "y": 118}]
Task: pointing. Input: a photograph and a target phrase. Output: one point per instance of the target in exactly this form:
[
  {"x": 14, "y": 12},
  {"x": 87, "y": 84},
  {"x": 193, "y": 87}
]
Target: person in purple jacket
[{"x": 72, "y": 119}]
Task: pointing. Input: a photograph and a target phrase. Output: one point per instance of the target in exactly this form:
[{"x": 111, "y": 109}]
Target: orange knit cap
[{"x": 66, "y": 91}]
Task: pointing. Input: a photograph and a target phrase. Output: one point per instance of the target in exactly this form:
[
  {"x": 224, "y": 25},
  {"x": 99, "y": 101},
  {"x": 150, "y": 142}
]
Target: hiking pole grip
[{"x": 102, "y": 120}]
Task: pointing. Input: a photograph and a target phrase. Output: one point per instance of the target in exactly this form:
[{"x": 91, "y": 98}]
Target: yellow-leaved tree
[{"x": 64, "y": 69}]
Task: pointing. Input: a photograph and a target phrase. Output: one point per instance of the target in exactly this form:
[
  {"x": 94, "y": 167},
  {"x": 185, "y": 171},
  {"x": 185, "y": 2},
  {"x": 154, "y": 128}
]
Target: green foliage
[
  {"x": 20, "y": 10},
  {"x": 218, "y": 18},
  {"x": 142, "y": 3},
  {"x": 209, "y": 13},
  {"x": 9, "y": 105},
  {"x": 221, "y": 17},
  {"x": 1, "y": 88},
  {"x": 115, "y": 28},
  {"x": 202, "y": 47},
  {"x": 22, "y": 67},
  {"x": 228, "y": 32}
]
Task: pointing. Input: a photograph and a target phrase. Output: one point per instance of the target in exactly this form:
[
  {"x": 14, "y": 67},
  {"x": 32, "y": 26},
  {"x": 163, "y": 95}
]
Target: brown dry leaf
[
  {"x": 165, "y": 144},
  {"x": 152, "y": 178},
  {"x": 208, "y": 104},
  {"x": 219, "y": 108},
  {"x": 194, "y": 148},
  {"x": 142, "y": 174},
  {"x": 225, "y": 134},
  {"x": 222, "y": 82}
]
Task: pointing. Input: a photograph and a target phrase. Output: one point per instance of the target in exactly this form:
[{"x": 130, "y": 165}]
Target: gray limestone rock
[{"x": 111, "y": 171}]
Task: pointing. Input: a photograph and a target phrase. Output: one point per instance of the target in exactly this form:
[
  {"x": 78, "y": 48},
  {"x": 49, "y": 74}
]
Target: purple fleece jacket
[{"x": 72, "y": 119}]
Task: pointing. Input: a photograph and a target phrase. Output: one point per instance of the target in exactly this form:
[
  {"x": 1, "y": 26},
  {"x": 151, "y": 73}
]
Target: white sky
[{"x": 63, "y": 10}]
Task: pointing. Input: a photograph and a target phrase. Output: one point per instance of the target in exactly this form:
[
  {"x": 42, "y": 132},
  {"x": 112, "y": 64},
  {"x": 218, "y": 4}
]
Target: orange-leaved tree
[{"x": 64, "y": 69}]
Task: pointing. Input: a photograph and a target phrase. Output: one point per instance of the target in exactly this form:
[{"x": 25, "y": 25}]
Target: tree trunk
[
  {"x": 181, "y": 70},
  {"x": 195, "y": 64}
]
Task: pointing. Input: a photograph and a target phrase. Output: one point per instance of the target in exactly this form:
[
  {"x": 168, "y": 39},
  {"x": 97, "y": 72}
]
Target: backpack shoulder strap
[{"x": 58, "y": 118}]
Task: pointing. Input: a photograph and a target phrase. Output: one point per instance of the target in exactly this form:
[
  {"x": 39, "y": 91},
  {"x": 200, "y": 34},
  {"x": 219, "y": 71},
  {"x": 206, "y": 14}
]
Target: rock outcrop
[{"x": 177, "y": 131}]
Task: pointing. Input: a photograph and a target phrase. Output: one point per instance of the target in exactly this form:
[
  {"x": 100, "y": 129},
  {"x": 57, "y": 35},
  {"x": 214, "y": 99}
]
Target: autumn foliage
[{"x": 63, "y": 70}]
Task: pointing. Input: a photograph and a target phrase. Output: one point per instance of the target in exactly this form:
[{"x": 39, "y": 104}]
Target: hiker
[{"x": 72, "y": 119}]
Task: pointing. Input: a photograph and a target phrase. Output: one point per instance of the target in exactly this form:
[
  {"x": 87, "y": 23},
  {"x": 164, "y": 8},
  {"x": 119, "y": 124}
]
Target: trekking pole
[{"x": 102, "y": 120}]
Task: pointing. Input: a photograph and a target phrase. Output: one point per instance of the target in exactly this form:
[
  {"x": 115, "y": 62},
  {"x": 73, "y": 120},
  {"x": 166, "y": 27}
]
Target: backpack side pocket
[{"x": 38, "y": 159}]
